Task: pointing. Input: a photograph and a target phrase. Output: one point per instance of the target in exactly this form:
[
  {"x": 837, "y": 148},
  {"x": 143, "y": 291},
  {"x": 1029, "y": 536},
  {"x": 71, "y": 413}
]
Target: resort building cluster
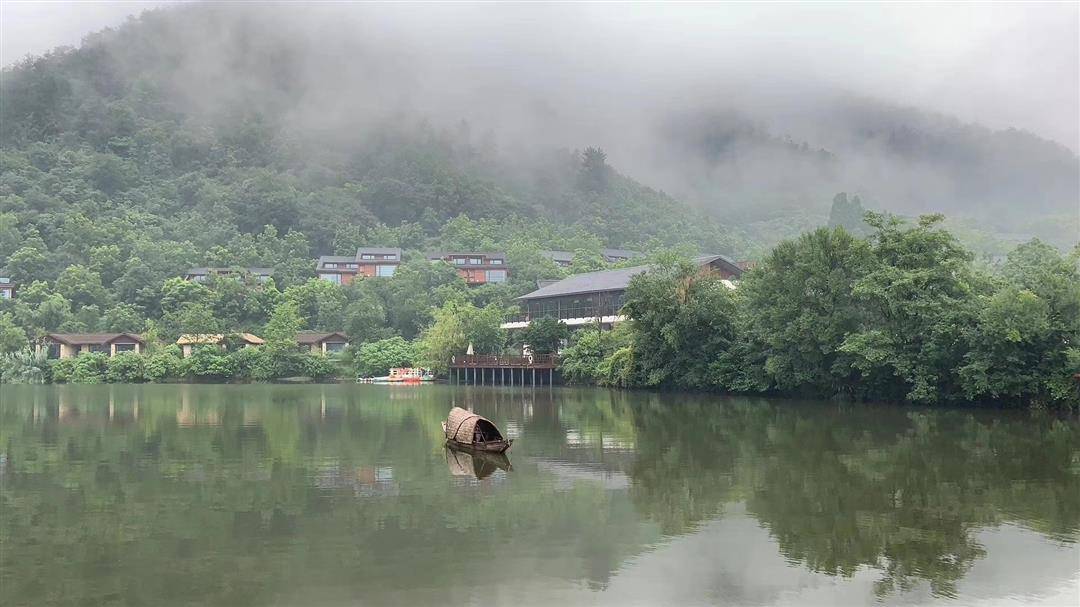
[{"x": 581, "y": 299}]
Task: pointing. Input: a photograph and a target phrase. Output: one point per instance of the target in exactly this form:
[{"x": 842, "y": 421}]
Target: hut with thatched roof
[{"x": 473, "y": 431}]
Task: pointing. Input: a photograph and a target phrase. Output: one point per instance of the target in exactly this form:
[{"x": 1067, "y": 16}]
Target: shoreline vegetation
[{"x": 900, "y": 315}]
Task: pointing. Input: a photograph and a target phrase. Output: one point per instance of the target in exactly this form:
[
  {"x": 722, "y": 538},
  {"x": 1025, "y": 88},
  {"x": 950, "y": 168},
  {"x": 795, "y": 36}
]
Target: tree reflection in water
[{"x": 237, "y": 494}]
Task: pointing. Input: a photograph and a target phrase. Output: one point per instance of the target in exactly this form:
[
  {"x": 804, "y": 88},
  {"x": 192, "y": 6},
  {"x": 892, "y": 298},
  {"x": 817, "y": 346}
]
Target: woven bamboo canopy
[{"x": 462, "y": 426}]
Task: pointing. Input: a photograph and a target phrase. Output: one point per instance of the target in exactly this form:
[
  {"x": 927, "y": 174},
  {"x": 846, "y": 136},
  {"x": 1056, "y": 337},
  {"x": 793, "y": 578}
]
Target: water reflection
[
  {"x": 476, "y": 465},
  {"x": 340, "y": 494}
]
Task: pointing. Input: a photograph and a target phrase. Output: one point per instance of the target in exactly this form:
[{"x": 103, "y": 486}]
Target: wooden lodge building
[
  {"x": 597, "y": 297},
  {"x": 7, "y": 288},
  {"x": 369, "y": 262},
  {"x": 322, "y": 343},
  {"x": 188, "y": 342},
  {"x": 564, "y": 259},
  {"x": 476, "y": 268},
  {"x": 67, "y": 345}
]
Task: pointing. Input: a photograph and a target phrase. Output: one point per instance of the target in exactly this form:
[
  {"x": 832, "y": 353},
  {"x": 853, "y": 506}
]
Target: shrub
[
  {"x": 319, "y": 367},
  {"x": 248, "y": 362},
  {"x": 24, "y": 367},
  {"x": 62, "y": 370},
  {"x": 376, "y": 358},
  {"x": 90, "y": 368},
  {"x": 126, "y": 368},
  {"x": 208, "y": 364},
  {"x": 163, "y": 364}
]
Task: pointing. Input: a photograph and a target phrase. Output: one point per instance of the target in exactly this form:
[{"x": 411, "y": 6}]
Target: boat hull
[{"x": 499, "y": 446}]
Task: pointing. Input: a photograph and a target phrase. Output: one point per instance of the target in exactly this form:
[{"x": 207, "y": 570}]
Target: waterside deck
[{"x": 485, "y": 369}]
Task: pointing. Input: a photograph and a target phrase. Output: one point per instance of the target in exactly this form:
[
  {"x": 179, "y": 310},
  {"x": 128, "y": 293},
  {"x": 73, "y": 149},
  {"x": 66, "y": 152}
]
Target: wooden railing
[{"x": 492, "y": 361}]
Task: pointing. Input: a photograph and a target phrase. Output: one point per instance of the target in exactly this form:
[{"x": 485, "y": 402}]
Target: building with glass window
[
  {"x": 598, "y": 297},
  {"x": 369, "y": 262},
  {"x": 66, "y": 345},
  {"x": 205, "y": 274},
  {"x": 322, "y": 343},
  {"x": 476, "y": 268},
  {"x": 7, "y": 288}
]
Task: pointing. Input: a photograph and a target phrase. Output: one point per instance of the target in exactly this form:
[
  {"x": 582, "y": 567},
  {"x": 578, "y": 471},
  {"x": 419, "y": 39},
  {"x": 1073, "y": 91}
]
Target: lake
[{"x": 345, "y": 495}]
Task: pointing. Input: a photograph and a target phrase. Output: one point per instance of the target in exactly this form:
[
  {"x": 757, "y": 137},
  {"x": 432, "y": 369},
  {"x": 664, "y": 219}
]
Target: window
[
  {"x": 496, "y": 262},
  {"x": 496, "y": 275},
  {"x": 5, "y": 293},
  {"x": 330, "y": 265},
  {"x": 459, "y": 261},
  {"x": 125, "y": 348},
  {"x": 99, "y": 348},
  {"x": 475, "y": 261},
  {"x": 335, "y": 346},
  {"x": 351, "y": 266},
  {"x": 390, "y": 257},
  {"x": 367, "y": 256},
  {"x": 385, "y": 271},
  {"x": 53, "y": 351},
  {"x": 334, "y": 278}
]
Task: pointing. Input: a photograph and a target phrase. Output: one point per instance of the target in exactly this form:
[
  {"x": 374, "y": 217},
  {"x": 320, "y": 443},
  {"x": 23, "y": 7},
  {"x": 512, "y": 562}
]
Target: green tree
[
  {"x": 920, "y": 295},
  {"x": 127, "y": 368},
  {"x": 683, "y": 323},
  {"x": 544, "y": 335},
  {"x": 12, "y": 338},
  {"x": 1020, "y": 349},
  {"x": 376, "y": 358},
  {"x": 848, "y": 214},
  {"x": 456, "y": 326},
  {"x": 123, "y": 318},
  {"x": 281, "y": 329},
  {"x": 795, "y": 311}
]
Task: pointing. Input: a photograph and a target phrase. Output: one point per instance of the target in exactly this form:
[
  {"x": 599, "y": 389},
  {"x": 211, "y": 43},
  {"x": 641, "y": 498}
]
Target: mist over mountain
[{"x": 329, "y": 95}]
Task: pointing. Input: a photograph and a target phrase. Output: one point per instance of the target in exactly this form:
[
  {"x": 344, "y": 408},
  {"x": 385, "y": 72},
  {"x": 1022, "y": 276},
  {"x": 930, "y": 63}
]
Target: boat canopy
[{"x": 469, "y": 428}]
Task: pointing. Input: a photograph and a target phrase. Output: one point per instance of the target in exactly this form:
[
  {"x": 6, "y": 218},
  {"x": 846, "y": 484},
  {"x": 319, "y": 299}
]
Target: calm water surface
[{"x": 344, "y": 495}]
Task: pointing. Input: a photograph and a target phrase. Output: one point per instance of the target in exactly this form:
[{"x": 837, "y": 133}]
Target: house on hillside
[
  {"x": 66, "y": 345},
  {"x": 476, "y": 268},
  {"x": 597, "y": 297},
  {"x": 188, "y": 342},
  {"x": 617, "y": 255},
  {"x": 7, "y": 288},
  {"x": 204, "y": 274},
  {"x": 564, "y": 259},
  {"x": 324, "y": 343},
  {"x": 369, "y": 262}
]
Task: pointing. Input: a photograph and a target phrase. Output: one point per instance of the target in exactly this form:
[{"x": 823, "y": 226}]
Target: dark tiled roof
[
  {"x": 312, "y": 337},
  {"x": 621, "y": 253},
  {"x": 205, "y": 271},
  {"x": 589, "y": 282},
  {"x": 78, "y": 339},
  {"x": 608, "y": 280},
  {"x": 563, "y": 256},
  {"x": 489, "y": 255}
]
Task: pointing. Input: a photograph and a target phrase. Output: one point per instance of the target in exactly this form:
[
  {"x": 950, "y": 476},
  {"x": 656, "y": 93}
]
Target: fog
[{"x": 724, "y": 105}]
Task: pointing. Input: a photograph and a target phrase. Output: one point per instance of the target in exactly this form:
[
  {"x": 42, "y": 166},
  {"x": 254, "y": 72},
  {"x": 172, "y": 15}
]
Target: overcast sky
[{"x": 999, "y": 64}]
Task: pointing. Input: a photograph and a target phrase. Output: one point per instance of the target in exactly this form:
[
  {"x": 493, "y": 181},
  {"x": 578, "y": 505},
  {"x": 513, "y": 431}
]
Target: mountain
[{"x": 199, "y": 123}]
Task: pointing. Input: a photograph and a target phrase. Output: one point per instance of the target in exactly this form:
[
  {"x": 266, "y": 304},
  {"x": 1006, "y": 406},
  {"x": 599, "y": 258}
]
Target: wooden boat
[
  {"x": 400, "y": 375},
  {"x": 477, "y": 464},
  {"x": 473, "y": 432}
]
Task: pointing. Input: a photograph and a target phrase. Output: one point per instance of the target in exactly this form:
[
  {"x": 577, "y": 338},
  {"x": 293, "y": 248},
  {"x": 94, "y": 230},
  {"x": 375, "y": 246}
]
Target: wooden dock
[{"x": 494, "y": 370}]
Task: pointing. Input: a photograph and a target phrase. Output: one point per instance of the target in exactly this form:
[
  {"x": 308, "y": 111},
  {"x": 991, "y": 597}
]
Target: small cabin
[
  {"x": 189, "y": 342},
  {"x": 322, "y": 343},
  {"x": 67, "y": 345}
]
